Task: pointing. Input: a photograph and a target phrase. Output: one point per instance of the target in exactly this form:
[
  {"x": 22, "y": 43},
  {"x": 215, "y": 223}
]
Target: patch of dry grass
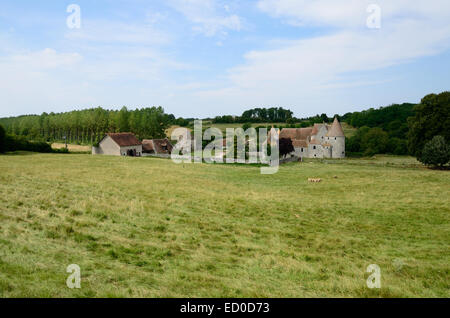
[{"x": 72, "y": 148}]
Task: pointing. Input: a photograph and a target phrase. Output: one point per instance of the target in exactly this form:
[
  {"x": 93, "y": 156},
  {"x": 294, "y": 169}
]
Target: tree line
[
  {"x": 382, "y": 130},
  {"x": 90, "y": 125},
  {"x": 257, "y": 115}
]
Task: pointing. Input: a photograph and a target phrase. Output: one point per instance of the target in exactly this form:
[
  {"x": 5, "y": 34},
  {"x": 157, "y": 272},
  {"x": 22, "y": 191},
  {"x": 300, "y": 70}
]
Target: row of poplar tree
[{"x": 90, "y": 125}]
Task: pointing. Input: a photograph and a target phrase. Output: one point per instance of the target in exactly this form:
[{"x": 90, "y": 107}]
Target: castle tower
[{"x": 336, "y": 138}]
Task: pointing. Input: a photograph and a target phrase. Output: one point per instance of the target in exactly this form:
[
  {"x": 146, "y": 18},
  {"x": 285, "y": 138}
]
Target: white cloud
[
  {"x": 41, "y": 60},
  {"x": 103, "y": 31},
  {"x": 156, "y": 17},
  {"x": 48, "y": 80},
  {"x": 104, "y": 63},
  {"x": 310, "y": 68},
  {"x": 318, "y": 12},
  {"x": 206, "y": 16},
  {"x": 32, "y": 77},
  {"x": 352, "y": 13}
]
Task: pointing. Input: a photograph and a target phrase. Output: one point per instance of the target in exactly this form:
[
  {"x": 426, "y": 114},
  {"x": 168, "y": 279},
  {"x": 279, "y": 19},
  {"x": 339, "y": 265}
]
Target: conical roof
[{"x": 336, "y": 129}]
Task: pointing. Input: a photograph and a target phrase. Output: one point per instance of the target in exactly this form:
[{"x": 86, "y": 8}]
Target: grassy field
[{"x": 144, "y": 227}]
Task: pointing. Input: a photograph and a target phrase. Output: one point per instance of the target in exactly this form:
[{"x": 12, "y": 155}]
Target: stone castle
[{"x": 319, "y": 141}]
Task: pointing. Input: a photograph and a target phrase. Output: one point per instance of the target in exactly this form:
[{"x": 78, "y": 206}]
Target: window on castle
[
  {"x": 302, "y": 149},
  {"x": 314, "y": 147},
  {"x": 335, "y": 138}
]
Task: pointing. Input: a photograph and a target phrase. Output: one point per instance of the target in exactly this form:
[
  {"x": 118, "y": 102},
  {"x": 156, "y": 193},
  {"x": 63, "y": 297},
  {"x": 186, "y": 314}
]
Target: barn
[
  {"x": 157, "y": 147},
  {"x": 119, "y": 144}
]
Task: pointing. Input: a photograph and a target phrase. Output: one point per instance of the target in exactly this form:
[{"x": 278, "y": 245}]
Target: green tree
[
  {"x": 397, "y": 146},
  {"x": 354, "y": 144},
  {"x": 123, "y": 123},
  {"x": 291, "y": 121},
  {"x": 246, "y": 126},
  {"x": 375, "y": 141},
  {"x": 89, "y": 125},
  {"x": 286, "y": 146},
  {"x": 432, "y": 118},
  {"x": 436, "y": 152}
]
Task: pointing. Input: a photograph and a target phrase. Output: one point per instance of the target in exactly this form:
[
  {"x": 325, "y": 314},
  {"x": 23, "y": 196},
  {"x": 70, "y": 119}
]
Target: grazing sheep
[{"x": 314, "y": 180}]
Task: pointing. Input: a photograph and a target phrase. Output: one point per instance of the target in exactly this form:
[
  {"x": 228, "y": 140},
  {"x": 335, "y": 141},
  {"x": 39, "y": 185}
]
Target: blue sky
[{"x": 200, "y": 58}]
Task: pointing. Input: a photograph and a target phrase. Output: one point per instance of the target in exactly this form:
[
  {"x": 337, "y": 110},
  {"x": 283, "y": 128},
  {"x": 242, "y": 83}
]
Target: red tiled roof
[
  {"x": 124, "y": 139},
  {"x": 304, "y": 133},
  {"x": 296, "y": 133},
  {"x": 159, "y": 146},
  {"x": 300, "y": 144},
  {"x": 288, "y": 133}
]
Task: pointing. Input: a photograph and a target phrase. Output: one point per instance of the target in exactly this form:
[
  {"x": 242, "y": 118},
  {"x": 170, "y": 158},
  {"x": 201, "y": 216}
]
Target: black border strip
[{"x": 276, "y": 306}]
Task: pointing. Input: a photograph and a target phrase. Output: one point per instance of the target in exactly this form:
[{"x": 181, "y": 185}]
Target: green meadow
[{"x": 145, "y": 227}]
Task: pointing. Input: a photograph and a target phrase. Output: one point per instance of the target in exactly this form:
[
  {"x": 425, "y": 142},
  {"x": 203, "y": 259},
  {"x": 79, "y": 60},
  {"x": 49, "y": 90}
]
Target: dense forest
[
  {"x": 90, "y": 125},
  {"x": 392, "y": 119},
  {"x": 382, "y": 130}
]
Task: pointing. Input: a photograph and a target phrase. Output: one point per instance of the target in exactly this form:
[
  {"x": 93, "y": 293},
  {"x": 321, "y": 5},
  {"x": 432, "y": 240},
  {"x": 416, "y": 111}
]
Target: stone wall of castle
[
  {"x": 336, "y": 150},
  {"x": 338, "y": 144}
]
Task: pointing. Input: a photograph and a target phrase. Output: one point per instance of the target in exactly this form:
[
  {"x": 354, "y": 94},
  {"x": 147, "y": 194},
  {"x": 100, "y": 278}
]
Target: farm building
[
  {"x": 318, "y": 141},
  {"x": 119, "y": 144},
  {"x": 156, "y": 147}
]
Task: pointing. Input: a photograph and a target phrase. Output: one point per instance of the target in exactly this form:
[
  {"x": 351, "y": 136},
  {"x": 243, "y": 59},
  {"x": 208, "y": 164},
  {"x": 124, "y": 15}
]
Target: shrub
[
  {"x": 246, "y": 126},
  {"x": 291, "y": 121},
  {"x": 436, "y": 152},
  {"x": 2, "y": 139},
  {"x": 15, "y": 143},
  {"x": 60, "y": 150}
]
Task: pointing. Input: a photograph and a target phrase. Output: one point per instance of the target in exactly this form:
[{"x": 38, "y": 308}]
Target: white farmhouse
[{"x": 119, "y": 144}]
